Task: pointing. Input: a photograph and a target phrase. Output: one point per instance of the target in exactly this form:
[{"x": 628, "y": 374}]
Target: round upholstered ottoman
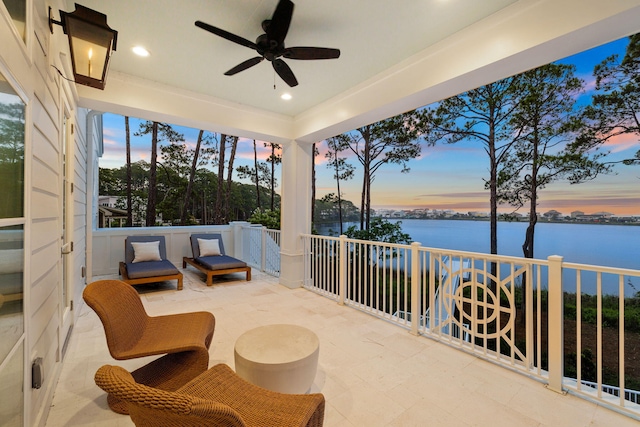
[{"x": 281, "y": 358}]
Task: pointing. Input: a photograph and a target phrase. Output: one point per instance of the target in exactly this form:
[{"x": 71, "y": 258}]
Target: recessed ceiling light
[
  {"x": 286, "y": 96},
  {"x": 140, "y": 51}
]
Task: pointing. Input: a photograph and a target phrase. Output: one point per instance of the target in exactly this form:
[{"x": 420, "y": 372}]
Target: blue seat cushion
[
  {"x": 220, "y": 262},
  {"x": 143, "y": 269}
]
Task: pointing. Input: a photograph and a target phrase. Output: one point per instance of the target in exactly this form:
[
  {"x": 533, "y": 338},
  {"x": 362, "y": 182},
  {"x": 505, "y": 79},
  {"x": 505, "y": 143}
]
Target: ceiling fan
[{"x": 270, "y": 45}]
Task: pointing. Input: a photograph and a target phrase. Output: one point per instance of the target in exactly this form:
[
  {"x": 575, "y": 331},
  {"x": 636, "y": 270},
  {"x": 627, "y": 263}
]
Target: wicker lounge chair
[
  {"x": 135, "y": 272},
  {"x": 214, "y": 265},
  {"x": 184, "y": 338},
  {"x": 217, "y": 397}
]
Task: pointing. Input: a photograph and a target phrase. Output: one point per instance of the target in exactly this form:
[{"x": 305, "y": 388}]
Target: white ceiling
[
  {"x": 395, "y": 55},
  {"x": 372, "y": 35}
]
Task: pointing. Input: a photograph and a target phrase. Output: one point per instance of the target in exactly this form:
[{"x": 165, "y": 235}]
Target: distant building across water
[{"x": 549, "y": 216}]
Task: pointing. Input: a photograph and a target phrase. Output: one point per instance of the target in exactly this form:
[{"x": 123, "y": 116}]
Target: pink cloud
[
  {"x": 110, "y": 142},
  {"x": 245, "y": 150},
  {"x": 622, "y": 142},
  {"x": 111, "y": 132}
]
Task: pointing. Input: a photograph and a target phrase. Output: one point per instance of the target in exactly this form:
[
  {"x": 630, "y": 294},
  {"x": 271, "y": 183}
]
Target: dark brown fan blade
[
  {"x": 280, "y": 21},
  {"x": 285, "y": 72},
  {"x": 244, "y": 65},
  {"x": 311, "y": 53},
  {"x": 227, "y": 35}
]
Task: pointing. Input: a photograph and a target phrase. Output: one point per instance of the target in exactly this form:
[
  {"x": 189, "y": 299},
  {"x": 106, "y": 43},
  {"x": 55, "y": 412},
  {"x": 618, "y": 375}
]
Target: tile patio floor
[{"x": 371, "y": 372}]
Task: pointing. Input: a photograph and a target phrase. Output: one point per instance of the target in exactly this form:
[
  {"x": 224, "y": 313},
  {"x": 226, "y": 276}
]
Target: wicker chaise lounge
[
  {"x": 210, "y": 259},
  {"x": 145, "y": 261},
  {"x": 218, "y": 397},
  {"x": 184, "y": 338}
]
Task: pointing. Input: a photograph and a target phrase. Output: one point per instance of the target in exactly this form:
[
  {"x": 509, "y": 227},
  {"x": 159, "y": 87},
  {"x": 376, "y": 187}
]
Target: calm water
[{"x": 606, "y": 245}]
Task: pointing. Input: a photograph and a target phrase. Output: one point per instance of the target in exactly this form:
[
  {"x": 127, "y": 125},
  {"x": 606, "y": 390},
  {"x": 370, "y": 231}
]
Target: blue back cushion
[
  {"x": 129, "y": 254},
  {"x": 195, "y": 247}
]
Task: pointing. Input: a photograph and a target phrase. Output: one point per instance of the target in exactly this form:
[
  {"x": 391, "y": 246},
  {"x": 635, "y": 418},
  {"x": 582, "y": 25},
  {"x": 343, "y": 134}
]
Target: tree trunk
[
  {"x": 313, "y": 184},
  {"x": 151, "y": 198},
  {"x": 365, "y": 177},
  {"x": 255, "y": 166},
  {"x": 227, "y": 195},
  {"x": 192, "y": 174},
  {"x": 128, "y": 148},
  {"x": 363, "y": 198},
  {"x": 368, "y": 215},
  {"x": 493, "y": 198},
  {"x": 273, "y": 180},
  {"x": 367, "y": 182},
  {"x": 493, "y": 206},
  {"x": 219, "y": 215},
  {"x": 338, "y": 187},
  {"x": 527, "y": 247}
]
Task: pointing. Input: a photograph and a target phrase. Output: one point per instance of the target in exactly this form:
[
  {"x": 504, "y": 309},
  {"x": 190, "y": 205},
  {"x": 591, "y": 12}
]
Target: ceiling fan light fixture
[
  {"x": 286, "y": 96},
  {"x": 140, "y": 51}
]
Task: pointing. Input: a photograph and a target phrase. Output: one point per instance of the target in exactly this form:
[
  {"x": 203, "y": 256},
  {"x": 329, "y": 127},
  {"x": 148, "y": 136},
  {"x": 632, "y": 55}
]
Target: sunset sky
[{"x": 444, "y": 176}]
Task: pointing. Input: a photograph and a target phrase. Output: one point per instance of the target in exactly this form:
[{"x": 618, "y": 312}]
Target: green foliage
[
  {"x": 267, "y": 218},
  {"x": 615, "y": 107},
  {"x": 327, "y": 210},
  {"x": 171, "y": 188},
  {"x": 610, "y": 310},
  {"x": 380, "y": 230},
  {"x": 546, "y": 151},
  {"x": 481, "y": 115},
  {"x": 395, "y": 140},
  {"x": 589, "y": 369},
  {"x": 263, "y": 176}
]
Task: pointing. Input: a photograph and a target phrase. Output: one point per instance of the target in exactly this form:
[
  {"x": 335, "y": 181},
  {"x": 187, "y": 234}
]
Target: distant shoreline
[{"x": 540, "y": 221}]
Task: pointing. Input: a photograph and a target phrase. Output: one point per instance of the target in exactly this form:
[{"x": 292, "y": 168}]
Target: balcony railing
[
  {"x": 548, "y": 319},
  {"x": 508, "y": 310},
  {"x": 261, "y": 248}
]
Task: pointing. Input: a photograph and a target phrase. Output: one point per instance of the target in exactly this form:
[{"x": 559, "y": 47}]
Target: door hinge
[
  {"x": 71, "y": 305},
  {"x": 72, "y": 128},
  {"x": 67, "y": 248}
]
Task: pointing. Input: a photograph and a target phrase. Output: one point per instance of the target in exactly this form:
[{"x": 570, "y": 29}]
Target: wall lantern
[{"x": 91, "y": 42}]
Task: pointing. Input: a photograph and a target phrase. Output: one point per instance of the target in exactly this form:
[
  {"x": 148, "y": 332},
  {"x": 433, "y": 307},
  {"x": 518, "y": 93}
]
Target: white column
[
  {"x": 556, "y": 322},
  {"x": 295, "y": 210}
]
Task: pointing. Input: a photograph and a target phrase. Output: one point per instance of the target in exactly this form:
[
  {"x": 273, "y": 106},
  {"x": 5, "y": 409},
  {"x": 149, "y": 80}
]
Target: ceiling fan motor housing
[{"x": 270, "y": 49}]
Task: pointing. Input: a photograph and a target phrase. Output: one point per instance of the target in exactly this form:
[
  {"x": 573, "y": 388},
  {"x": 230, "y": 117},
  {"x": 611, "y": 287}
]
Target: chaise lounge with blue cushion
[
  {"x": 210, "y": 259},
  {"x": 145, "y": 261}
]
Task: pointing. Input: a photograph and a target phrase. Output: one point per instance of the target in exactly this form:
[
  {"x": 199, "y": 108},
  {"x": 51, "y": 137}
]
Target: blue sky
[{"x": 443, "y": 176}]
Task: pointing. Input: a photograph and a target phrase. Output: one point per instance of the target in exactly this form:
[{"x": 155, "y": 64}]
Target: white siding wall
[
  {"x": 29, "y": 64},
  {"x": 43, "y": 305}
]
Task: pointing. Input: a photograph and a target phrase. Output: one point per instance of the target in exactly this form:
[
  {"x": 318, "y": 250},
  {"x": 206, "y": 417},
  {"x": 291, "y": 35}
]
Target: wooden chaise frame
[
  {"x": 211, "y": 273},
  {"x": 147, "y": 280},
  {"x": 152, "y": 279}
]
